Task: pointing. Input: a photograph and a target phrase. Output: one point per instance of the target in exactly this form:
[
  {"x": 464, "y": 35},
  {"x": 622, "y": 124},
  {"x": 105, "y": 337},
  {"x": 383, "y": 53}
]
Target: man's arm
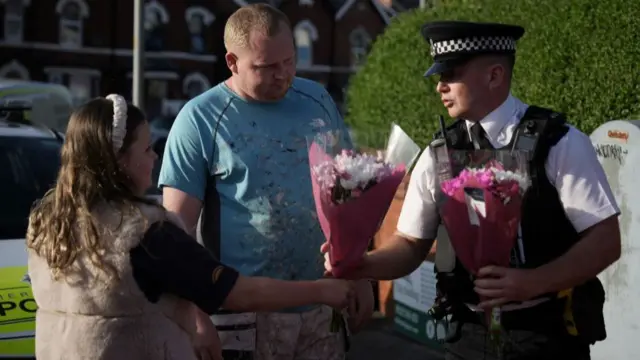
[
  {"x": 417, "y": 228},
  {"x": 184, "y": 205},
  {"x": 398, "y": 257},
  {"x": 183, "y": 176},
  {"x": 590, "y": 206},
  {"x": 598, "y": 248}
]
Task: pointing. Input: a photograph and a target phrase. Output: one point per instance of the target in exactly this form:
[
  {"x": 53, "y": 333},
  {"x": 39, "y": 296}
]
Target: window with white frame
[
  {"x": 13, "y": 19},
  {"x": 72, "y": 15},
  {"x": 156, "y": 18},
  {"x": 83, "y": 84},
  {"x": 198, "y": 19},
  {"x": 195, "y": 84},
  {"x": 80, "y": 88},
  {"x": 305, "y": 34},
  {"x": 14, "y": 70},
  {"x": 158, "y": 88},
  {"x": 360, "y": 41}
]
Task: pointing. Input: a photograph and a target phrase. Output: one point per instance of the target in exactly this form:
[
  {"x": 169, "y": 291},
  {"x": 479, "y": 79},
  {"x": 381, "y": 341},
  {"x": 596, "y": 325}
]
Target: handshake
[
  {"x": 352, "y": 272},
  {"x": 337, "y": 293},
  {"x": 341, "y": 287},
  {"x": 358, "y": 294}
]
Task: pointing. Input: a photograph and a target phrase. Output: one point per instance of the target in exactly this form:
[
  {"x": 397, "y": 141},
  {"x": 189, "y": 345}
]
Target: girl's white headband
[{"x": 119, "y": 120}]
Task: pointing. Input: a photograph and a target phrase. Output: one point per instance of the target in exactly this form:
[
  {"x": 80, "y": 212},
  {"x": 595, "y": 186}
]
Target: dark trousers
[
  {"x": 237, "y": 355},
  {"x": 475, "y": 344},
  {"x": 536, "y": 333}
]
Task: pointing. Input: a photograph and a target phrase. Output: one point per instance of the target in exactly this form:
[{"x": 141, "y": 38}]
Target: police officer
[{"x": 550, "y": 297}]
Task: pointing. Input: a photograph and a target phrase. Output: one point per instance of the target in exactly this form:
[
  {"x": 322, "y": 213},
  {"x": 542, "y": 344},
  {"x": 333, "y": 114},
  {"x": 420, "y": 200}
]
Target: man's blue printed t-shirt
[{"x": 255, "y": 156}]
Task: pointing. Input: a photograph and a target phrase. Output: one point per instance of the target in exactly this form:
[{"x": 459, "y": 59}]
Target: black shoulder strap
[
  {"x": 543, "y": 127},
  {"x": 548, "y": 125},
  {"x": 456, "y": 135}
]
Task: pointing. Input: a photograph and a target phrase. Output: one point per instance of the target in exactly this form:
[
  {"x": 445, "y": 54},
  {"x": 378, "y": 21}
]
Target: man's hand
[
  {"x": 355, "y": 273},
  {"x": 360, "y": 312},
  {"x": 206, "y": 341},
  {"x": 361, "y": 307},
  {"x": 499, "y": 285}
]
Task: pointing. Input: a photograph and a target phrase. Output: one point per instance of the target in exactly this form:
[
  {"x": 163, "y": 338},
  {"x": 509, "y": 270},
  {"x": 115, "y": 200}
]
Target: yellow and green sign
[{"x": 17, "y": 313}]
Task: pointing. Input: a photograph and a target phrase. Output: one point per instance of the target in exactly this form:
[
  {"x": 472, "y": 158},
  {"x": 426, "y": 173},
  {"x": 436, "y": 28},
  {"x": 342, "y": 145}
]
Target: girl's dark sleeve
[{"x": 168, "y": 260}]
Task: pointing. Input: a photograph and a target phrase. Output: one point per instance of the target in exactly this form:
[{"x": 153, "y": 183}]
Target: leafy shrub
[{"x": 579, "y": 58}]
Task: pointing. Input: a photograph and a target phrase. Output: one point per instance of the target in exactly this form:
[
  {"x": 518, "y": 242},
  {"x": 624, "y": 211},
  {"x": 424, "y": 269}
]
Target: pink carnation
[{"x": 509, "y": 184}]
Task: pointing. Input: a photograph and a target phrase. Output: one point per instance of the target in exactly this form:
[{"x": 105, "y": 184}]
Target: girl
[{"x": 114, "y": 275}]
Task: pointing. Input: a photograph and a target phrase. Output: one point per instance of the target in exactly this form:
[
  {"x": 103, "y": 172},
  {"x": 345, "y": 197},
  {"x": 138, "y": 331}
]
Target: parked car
[
  {"x": 29, "y": 159},
  {"x": 49, "y": 104}
]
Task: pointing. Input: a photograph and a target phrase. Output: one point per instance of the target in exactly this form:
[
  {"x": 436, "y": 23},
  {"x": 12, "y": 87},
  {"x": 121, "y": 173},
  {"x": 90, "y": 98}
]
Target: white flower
[
  {"x": 502, "y": 175},
  {"x": 349, "y": 184},
  {"x": 359, "y": 170},
  {"x": 325, "y": 174}
]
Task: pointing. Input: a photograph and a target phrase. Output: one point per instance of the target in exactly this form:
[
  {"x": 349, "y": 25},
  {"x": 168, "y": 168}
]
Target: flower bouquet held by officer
[
  {"x": 109, "y": 268},
  {"x": 550, "y": 297}
]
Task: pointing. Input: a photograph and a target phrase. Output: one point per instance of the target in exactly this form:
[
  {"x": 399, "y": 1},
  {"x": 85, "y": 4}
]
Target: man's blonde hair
[{"x": 256, "y": 17}]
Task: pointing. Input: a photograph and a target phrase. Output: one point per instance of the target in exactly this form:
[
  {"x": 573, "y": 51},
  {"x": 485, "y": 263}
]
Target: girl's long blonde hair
[{"x": 61, "y": 225}]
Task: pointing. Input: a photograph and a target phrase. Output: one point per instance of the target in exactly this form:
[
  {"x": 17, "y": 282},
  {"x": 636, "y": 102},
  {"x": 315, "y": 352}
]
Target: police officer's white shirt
[{"x": 572, "y": 166}]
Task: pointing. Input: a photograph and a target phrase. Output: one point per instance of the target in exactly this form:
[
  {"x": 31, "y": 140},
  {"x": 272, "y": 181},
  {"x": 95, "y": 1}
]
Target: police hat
[{"x": 455, "y": 42}]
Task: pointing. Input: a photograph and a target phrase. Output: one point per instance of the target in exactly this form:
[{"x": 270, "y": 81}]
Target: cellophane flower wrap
[
  {"x": 481, "y": 210},
  {"x": 353, "y": 191}
]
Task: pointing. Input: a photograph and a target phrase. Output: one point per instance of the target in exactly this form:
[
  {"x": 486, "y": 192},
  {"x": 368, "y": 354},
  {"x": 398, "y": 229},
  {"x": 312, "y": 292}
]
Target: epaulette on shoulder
[
  {"x": 540, "y": 113},
  {"x": 550, "y": 124}
]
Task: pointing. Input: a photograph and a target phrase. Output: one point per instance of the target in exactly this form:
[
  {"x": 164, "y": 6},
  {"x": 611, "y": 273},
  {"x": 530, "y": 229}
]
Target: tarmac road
[{"x": 380, "y": 342}]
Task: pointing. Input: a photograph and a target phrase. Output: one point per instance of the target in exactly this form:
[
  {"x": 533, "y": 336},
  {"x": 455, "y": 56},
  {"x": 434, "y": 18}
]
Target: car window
[{"x": 29, "y": 168}]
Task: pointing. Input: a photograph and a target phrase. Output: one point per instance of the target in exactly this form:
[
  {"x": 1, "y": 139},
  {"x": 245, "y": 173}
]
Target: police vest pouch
[{"x": 583, "y": 311}]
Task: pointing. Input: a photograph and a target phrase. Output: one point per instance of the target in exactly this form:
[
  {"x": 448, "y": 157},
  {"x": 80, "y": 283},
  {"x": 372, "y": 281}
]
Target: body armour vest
[{"x": 546, "y": 231}]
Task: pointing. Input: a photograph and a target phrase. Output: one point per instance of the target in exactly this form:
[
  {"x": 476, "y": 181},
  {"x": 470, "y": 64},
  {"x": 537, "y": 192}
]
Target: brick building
[{"x": 86, "y": 44}]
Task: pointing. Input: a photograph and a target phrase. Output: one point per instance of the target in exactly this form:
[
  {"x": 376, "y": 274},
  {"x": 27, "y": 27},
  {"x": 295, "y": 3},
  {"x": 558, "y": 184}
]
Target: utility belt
[
  {"x": 576, "y": 312},
  {"x": 513, "y": 306}
]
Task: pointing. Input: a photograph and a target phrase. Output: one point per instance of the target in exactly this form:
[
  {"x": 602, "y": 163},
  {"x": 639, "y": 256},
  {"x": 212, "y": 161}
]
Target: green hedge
[{"x": 578, "y": 57}]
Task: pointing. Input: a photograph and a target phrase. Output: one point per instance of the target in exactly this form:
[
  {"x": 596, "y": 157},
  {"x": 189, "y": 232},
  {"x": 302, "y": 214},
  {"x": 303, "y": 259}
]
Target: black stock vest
[{"x": 547, "y": 233}]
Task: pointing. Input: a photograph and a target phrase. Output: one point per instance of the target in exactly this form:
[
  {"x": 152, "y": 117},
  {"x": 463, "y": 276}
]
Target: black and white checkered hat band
[{"x": 501, "y": 43}]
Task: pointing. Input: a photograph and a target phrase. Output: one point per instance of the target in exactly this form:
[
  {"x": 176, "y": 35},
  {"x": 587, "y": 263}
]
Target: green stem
[{"x": 495, "y": 331}]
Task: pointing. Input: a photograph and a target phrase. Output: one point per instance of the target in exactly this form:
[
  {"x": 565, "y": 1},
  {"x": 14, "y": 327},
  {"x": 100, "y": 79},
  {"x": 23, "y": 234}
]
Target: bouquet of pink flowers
[
  {"x": 353, "y": 192},
  {"x": 481, "y": 212}
]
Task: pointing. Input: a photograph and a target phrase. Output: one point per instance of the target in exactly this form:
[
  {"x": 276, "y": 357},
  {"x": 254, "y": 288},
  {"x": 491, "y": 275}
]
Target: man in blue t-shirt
[{"x": 236, "y": 164}]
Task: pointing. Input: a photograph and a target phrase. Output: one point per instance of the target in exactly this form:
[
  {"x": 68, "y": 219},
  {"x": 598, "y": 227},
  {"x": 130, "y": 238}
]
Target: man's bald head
[
  {"x": 260, "y": 52},
  {"x": 261, "y": 18}
]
